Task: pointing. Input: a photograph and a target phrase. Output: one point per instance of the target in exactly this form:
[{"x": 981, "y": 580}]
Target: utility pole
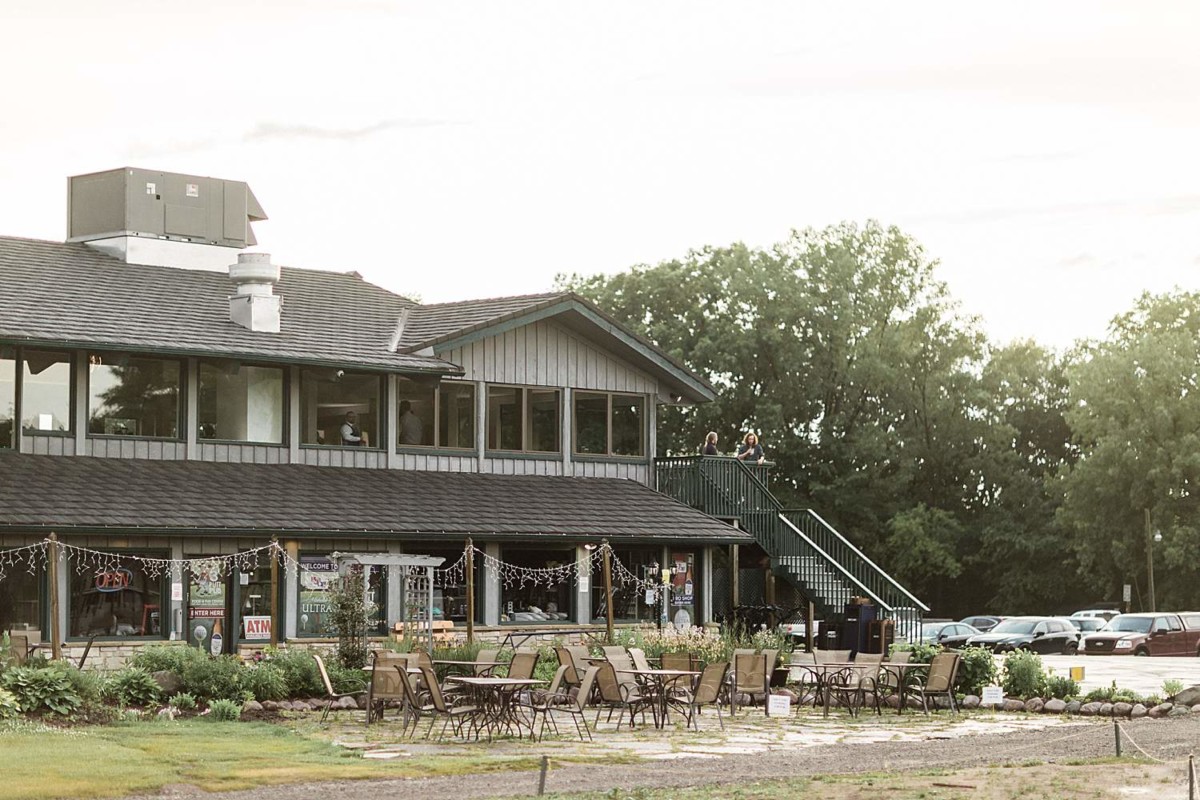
[{"x": 1150, "y": 560}]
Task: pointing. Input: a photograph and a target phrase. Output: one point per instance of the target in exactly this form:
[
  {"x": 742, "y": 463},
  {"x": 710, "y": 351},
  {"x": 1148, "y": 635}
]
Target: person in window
[
  {"x": 412, "y": 430},
  {"x": 352, "y": 435},
  {"x": 709, "y": 448},
  {"x": 751, "y": 450}
]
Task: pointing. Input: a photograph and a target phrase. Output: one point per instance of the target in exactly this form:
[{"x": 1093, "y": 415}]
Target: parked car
[
  {"x": 1096, "y": 613},
  {"x": 982, "y": 623},
  {"x": 947, "y": 634},
  {"x": 1086, "y": 625},
  {"x": 1146, "y": 635},
  {"x": 1039, "y": 634}
]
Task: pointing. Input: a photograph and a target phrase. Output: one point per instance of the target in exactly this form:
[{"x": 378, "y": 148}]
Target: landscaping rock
[
  {"x": 1122, "y": 709},
  {"x": 1072, "y": 707},
  {"x": 252, "y": 705},
  {"x": 1013, "y": 704},
  {"x": 1055, "y": 706},
  {"x": 1106, "y": 710},
  {"x": 1034, "y": 705},
  {"x": 970, "y": 701},
  {"x": 1138, "y": 711},
  {"x": 168, "y": 682},
  {"x": 1188, "y": 697},
  {"x": 270, "y": 705},
  {"x": 347, "y": 703},
  {"x": 361, "y": 702},
  {"x": 1179, "y": 711},
  {"x": 317, "y": 704},
  {"x": 1089, "y": 709},
  {"x": 1160, "y": 710},
  {"x": 1196, "y": 707}
]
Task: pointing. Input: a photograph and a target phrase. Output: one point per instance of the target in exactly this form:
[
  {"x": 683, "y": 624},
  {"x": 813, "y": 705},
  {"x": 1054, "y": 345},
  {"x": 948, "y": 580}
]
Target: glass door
[
  {"x": 208, "y": 589},
  {"x": 252, "y": 600}
]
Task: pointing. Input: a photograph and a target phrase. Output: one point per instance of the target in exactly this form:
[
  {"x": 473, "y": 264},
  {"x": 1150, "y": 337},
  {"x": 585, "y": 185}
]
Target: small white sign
[
  {"x": 992, "y": 696},
  {"x": 585, "y": 583},
  {"x": 192, "y": 190},
  {"x": 150, "y": 188},
  {"x": 651, "y": 597},
  {"x": 1127, "y": 593},
  {"x": 779, "y": 705},
  {"x": 176, "y": 592}
]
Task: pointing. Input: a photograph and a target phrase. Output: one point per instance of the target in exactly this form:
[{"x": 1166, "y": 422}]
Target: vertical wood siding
[
  {"x": 350, "y": 457},
  {"x": 243, "y": 453},
  {"x": 48, "y": 445}
]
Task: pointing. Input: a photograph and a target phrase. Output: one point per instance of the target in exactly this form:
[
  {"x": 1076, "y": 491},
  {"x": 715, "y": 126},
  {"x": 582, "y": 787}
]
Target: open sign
[{"x": 114, "y": 580}]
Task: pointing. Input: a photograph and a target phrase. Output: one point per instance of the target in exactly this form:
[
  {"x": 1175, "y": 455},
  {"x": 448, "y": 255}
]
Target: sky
[{"x": 1045, "y": 154}]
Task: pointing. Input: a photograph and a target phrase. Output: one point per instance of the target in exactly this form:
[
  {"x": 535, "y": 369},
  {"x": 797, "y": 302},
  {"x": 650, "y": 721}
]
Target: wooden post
[
  {"x": 1150, "y": 562},
  {"x": 608, "y": 596},
  {"x": 55, "y": 633},
  {"x": 734, "y": 588},
  {"x": 470, "y": 591},
  {"x": 275, "y": 591},
  {"x": 810, "y": 624}
]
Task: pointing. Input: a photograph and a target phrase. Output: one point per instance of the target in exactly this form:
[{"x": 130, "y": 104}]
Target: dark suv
[{"x": 1039, "y": 634}]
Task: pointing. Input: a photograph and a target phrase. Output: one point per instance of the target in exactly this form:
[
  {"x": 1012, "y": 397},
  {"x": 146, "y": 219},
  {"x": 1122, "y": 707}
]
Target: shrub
[
  {"x": 349, "y": 618},
  {"x": 300, "y": 673},
  {"x": 922, "y": 652},
  {"x": 1111, "y": 694},
  {"x": 1023, "y": 675},
  {"x": 344, "y": 679},
  {"x": 133, "y": 686},
  {"x": 214, "y": 678},
  {"x": 265, "y": 681},
  {"x": 9, "y": 707},
  {"x": 41, "y": 689},
  {"x": 162, "y": 657},
  {"x": 1172, "y": 687},
  {"x": 225, "y": 710},
  {"x": 183, "y": 702},
  {"x": 976, "y": 669},
  {"x": 1061, "y": 687}
]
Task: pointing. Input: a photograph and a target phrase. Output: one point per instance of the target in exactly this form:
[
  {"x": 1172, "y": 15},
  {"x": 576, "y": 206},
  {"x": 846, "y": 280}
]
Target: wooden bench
[{"x": 443, "y": 631}]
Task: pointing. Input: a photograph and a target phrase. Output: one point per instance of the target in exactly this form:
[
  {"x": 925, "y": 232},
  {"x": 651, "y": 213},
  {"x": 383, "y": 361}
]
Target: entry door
[
  {"x": 252, "y": 607},
  {"x": 208, "y": 611}
]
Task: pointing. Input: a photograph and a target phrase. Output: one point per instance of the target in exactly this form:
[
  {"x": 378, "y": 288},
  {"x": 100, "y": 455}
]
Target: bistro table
[
  {"x": 449, "y": 664},
  {"x": 823, "y": 676},
  {"x": 901, "y": 669},
  {"x": 497, "y": 700},
  {"x": 655, "y": 683}
]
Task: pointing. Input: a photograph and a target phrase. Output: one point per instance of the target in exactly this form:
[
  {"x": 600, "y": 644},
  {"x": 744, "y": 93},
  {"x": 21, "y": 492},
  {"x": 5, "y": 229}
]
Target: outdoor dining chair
[
  {"x": 415, "y": 706},
  {"x": 831, "y": 656},
  {"x": 385, "y": 682},
  {"x": 576, "y": 705},
  {"x": 611, "y": 650},
  {"x": 639, "y": 658},
  {"x": 614, "y": 696},
  {"x": 679, "y": 661},
  {"x": 943, "y": 672},
  {"x": 18, "y": 645},
  {"x": 851, "y": 686},
  {"x": 449, "y": 708},
  {"x": 543, "y": 701},
  {"x": 331, "y": 696},
  {"x": 750, "y": 678},
  {"x": 485, "y": 662},
  {"x": 890, "y": 681},
  {"x": 706, "y": 693},
  {"x": 571, "y": 674},
  {"x": 524, "y": 662}
]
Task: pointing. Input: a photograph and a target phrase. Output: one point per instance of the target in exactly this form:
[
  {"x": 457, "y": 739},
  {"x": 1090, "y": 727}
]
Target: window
[
  {"x": 530, "y": 602},
  {"x": 629, "y": 602},
  {"x": 610, "y": 424},
  {"x": 20, "y": 601},
  {"x": 119, "y": 599},
  {"x": 523, "y": 419},
  {"x": 339, "y": 408},
  {"x": 435, "y": 414},
  {"x": 8, "y": 396},
  {"x": 450, "y": 588},
  {"x": 317, "y": 576},
  {"x": 456, "y": 415},
  {"x": 240, "y": 403},
  {"x": 46, "y": 391},
  {"x": 133, "y": 396}
]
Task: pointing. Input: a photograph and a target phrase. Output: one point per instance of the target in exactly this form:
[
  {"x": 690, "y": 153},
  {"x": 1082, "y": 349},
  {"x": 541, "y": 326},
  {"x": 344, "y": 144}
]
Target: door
[
  {"x": 252, "y": 607},
  {"x": 1159, "y": 640},
  {"x": 207, "y": 606}
]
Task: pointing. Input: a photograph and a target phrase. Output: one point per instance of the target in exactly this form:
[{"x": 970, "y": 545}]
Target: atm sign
[{"x": 257, "y": 628}]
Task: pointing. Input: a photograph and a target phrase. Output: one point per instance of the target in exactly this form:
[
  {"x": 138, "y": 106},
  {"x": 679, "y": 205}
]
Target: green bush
[
  {"x": 1111, "y": 694},
  {"x": 41, "y": 689},
  {"x": 922, "y": 652},
  {"x": 167, "y": 658},
  {"x": 1061, "y": 687},
  {"x": 1023, "y": 675},
  {"x": 976, "y": 669},
  {"x": 225, "y": 710},
  {"x": 183, "y": 702},
  {"x": 344, "y": 679},
  {"x": 265, "y": 681},
  {"x": 9, "y": 707},
  {"x": 214, "y": 678},
  {"x": 1172, "y": 687},
  {"x": 133, "y": 686},
  {"x": 300, "y": 673}
]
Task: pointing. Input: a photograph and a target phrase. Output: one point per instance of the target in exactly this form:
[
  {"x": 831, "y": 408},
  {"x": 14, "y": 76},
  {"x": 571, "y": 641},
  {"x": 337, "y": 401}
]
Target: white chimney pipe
[{"x": 255, "y": 306}]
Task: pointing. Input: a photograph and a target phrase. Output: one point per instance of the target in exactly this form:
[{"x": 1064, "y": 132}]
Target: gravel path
[{"x": 1167, "y": 739}]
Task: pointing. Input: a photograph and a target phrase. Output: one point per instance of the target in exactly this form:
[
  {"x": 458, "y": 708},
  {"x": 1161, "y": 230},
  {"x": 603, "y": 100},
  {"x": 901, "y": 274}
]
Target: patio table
[
  {"x": 654, "y": 682},
  {"x": 823, "y": 676},
  {"x": 449, "y": 664},
  {"x": 496, "y": 698},
  {"x": 901, "y": 669}
]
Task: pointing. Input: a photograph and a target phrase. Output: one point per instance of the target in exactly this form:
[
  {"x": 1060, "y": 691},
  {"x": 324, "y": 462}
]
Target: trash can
[{"x": 880, "y": 634}]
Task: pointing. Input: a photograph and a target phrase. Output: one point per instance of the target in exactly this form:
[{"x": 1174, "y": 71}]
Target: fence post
[
  {"x": 608, "y": 595},
  {"x": 470, "y": 591},
  {"x": 275, "y": 551},
  {"x": 542, "y": 775},
  {"x": 1191, "y": 777},
  {"x": 55, "y": 633},
  {"x": 1117, "y": 735}
]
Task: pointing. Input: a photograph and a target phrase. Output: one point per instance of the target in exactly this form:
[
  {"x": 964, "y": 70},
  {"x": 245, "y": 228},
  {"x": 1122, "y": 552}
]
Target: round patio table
[
  {"x": 497, "y": 701},
  {"x": 655, "y": 683}
]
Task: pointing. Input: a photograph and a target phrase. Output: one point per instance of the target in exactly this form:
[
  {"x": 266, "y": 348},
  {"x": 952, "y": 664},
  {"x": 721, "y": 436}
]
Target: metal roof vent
[{"x": 255, "y": 306}]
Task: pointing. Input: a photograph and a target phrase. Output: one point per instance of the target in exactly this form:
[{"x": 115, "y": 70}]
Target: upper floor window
[
  {"x": 523, "y": 419},
  {"x": 46, "y": 391},
  {"x": 610, "y": 424},
  {"x": 340, "y": 408},
  {"x": 240, "y": 403},
  {"x": 435, "y": 414},
  {"x": 133, "y": 396},
  {"x": 8, "y": 396}
]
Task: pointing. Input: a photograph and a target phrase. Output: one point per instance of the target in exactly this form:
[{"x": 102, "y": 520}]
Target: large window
[
  {"x": 317, "y": 582},
  {"x": 610, "y": 424},
  {"x": 523, "y": 419},
  {"x": 8, "y": 396},
  {"x": 435, "y": 415},
  {"x": 46, "y": 391},
  {"x": 20, "y": 600},
  {"x": 133, "y": 396},
  {"x": 534, "y": 601},
  {"x": 339, "y": 408},
  {"x": 118, "y": 599},
  {"x": 629, "y": 601},
  {"x": 450, "y": 588},
  {"x": 240, "y": 403}
]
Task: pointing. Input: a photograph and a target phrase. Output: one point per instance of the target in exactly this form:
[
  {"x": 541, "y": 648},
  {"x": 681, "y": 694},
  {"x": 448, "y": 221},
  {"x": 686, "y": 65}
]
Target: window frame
[
  {"x": 286, "y": 396},
  {"x": 19, "y": 429},
  {"x": 382, "y": 414},
  {"x": 381, "y": 630},
  {"x": 180, "y": 399},
  {"x": 437, "y": 421},
  {"x": 608, "y": 454},
  {"x": 526, "y": 427},
  {"x": 164, "y": 593}
]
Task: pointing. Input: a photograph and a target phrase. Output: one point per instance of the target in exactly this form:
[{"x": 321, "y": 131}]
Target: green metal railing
[{"x": 810, "y": 552}]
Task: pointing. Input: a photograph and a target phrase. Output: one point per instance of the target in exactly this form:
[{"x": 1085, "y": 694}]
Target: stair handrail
[
  {"x": 863, "y": 556},
  {"x": 830, "y": 559}
]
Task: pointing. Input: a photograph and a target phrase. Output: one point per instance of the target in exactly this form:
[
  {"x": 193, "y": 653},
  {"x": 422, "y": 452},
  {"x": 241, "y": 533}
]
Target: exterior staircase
[{"x": 805, "y": 550}]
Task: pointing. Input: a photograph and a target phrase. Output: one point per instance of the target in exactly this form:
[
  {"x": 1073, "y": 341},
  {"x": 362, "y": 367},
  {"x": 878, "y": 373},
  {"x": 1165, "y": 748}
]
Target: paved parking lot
[{"x": 1142, "y": 675}]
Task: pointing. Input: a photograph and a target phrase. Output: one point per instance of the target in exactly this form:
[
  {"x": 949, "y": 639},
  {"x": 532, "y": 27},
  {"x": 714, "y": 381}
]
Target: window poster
[
  {"x": 206, "y": 607},
  {"x": 683, "y": 579}
]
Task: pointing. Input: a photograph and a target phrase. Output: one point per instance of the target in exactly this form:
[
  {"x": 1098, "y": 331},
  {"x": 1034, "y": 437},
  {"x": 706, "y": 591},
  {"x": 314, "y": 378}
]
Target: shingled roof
[
  {"x": 44, "y": 493},
  {"x": 71, "y": 295}
]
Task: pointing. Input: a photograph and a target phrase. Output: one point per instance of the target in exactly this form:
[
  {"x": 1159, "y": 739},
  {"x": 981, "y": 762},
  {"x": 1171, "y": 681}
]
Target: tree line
[{"x": 1006, "y": 478}]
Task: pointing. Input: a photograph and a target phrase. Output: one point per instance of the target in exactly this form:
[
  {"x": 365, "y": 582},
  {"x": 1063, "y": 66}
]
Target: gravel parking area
[{"x": 968, "y": 743}]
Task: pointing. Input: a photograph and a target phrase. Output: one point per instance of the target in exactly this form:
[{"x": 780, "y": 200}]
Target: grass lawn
[{"x": 141, "y": 757}]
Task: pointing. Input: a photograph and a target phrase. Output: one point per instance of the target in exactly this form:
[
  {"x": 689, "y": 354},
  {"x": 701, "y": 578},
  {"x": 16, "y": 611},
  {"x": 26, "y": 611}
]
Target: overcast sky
[{"x": 1044, "y": 153}]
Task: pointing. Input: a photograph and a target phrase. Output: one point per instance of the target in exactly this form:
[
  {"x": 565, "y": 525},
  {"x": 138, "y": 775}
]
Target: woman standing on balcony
[
  {"x": 709, "y": 448},
  {"x": 750, "y": 449}
]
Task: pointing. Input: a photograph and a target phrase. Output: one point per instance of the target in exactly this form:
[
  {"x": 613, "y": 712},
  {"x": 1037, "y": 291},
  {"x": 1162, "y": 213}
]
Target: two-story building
[{"x": 165, "y": 395}]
